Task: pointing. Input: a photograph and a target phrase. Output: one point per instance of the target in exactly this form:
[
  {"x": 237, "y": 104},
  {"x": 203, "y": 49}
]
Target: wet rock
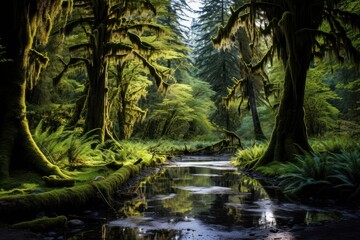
[
  {"x": 296, "y": 228},
  {"x": 51, "y": 234},
  {"x": 48, "y": 238},
  {"x": 76, "y": 223}
]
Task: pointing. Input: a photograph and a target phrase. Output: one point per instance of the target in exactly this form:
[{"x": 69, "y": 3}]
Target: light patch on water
[
  {"x": 206, "y": 175},
  {"x": 217, "y": 165},
  {"x": 207, "y": 190},
  {"x": 161, "y": 197}
]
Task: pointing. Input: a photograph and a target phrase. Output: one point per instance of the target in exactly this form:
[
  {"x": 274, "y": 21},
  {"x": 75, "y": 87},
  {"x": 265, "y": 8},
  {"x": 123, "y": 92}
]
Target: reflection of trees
[
  {"x": 243, "y": 208},
  {"x": 134, "y": 207},
  {"x": 179, "y": 204},
  {"x": 218, "y": 212}
]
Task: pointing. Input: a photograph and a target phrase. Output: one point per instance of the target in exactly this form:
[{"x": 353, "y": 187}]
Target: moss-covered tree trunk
[
  {"x": 123, "y": 88},
  {"x": 246, "y": 57},
  {"x": 95, "y": 120},
  {"x": 289, "y": 136},
  {"x": 258, "y": 132},
  {"x": 23, "y": 21}
]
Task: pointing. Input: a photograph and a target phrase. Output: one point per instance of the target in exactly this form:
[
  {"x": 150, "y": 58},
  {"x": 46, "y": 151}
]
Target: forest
[{"x": 94, "y": 93}]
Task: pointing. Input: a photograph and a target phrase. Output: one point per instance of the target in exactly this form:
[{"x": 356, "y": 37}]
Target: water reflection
[
  {"x": 196, "y": 198},
  {"x": 202, "y": 198}
]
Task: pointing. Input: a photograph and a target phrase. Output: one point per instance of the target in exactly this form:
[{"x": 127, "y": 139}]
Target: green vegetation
[
  {"x": 100, "y": 90},
  {"x": 331, "y": 172}
]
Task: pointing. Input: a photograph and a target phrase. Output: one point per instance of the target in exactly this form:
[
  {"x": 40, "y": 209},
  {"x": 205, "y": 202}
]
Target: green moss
[
  {"x": 68, "y": 198},
  {"x": 42, "y": 224}
]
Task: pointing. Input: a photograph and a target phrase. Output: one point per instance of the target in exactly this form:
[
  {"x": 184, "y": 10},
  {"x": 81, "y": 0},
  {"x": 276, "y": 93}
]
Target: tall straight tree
[
  {"x": 297, "y": 38},
  {"x": 250, "y": 86},
  {"x": 25, "y": 23},
  {"x": 217, "y": 67}
]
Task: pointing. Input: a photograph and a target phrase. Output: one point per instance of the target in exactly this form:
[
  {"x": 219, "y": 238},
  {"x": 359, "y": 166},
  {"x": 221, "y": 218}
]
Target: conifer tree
[{"x": 217, "y": 67}]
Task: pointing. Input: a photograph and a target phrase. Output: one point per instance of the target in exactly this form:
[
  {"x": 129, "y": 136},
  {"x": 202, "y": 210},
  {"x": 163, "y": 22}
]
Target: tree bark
[
  {"x": 17, "y": 147},
  {"x": 246, "y": 56},
  {"x": 95, "y": 120},
  {"x": 289, "y": 136},
  {"x": 259, "y": 135}
]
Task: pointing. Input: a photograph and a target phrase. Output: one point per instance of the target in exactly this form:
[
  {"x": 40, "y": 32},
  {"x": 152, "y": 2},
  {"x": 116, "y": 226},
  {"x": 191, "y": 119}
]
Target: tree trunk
[
  {"x": 79, "y": 107},
  {"x": 95, "y": 120},
  {"x": 259, "y": 135},
  {"x": 246, "y": 56},
  {"x": 123, "y": 86},
  {"x": 289, "y": 136},
  {"x": 68, "y": 199},
  {"x": 17, "y": 147}
]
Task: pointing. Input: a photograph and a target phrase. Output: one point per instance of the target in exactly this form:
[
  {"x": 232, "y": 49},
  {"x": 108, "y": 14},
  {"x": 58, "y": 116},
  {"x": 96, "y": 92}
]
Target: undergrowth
[{"x": 332, "y": 170}]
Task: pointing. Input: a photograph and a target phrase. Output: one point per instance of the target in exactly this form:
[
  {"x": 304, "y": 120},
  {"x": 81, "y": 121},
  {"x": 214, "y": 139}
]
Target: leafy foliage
[
  {"x": 68, "y": 148},
  {"x": 320, "y": 115},
  {"x": 322, "y": 175},
  {"x": 347, "y": 174},
  {"x": 308, "y": 174},
  {"x": 250, "y": 156},
  {"x": 335, "y": 144}
]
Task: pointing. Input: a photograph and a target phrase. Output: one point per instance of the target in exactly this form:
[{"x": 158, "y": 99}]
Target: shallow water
[{"x": 205, "y": 198}]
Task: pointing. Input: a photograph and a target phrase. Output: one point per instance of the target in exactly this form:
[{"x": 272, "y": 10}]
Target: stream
[{"x": 205, "y": 198}]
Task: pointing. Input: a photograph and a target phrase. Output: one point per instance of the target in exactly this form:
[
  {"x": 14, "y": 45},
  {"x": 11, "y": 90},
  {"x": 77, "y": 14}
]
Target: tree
[
  {"x": 217, "y": 67},
  {"x": 297, "y": 40},
  {"x": 115, "y": 34},
  {"x": 250, "y": 85},
  {"x": 28, "y": 24},
  {"x": 131, "y": 86},
  {"x": 183, "y": 113}
]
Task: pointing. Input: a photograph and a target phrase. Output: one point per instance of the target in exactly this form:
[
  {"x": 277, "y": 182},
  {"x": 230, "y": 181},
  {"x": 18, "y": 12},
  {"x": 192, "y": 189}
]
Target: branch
[
  {"x": 225, "y": 33},
  {"x": 72, "y": 63}
]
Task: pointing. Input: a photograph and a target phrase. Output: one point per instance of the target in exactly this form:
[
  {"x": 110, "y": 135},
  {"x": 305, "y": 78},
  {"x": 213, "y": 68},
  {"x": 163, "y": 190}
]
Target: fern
[
  {"x": 309, "y": 172},
  {"x": 66, "y": 147},
  {"x": 347, "y": 173},
  {"x": 336, "y": 144},
  {"x": 250, "y": 156}
]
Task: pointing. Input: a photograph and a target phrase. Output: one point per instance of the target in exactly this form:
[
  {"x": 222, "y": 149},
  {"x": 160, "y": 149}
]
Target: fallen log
[{"x": 67, "y": 199}]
